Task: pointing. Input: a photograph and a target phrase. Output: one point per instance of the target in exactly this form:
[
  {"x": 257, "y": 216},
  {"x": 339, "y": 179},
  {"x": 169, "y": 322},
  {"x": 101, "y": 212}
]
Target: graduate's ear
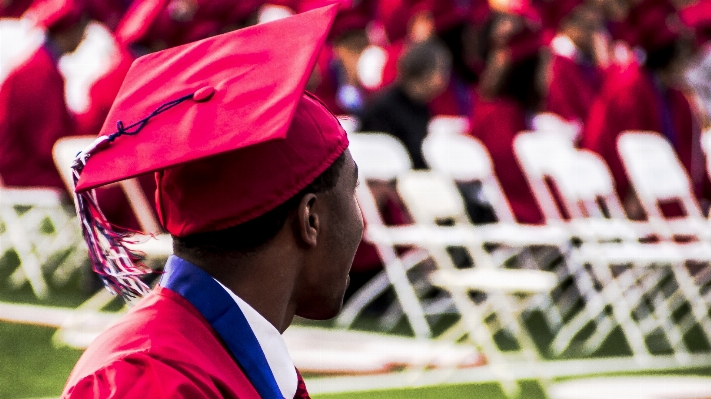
[{"x": 308, "y": 223}]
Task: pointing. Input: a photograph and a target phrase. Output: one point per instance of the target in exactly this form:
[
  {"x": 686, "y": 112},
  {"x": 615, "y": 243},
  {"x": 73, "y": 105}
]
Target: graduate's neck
[{"x": 264, "y": 279}]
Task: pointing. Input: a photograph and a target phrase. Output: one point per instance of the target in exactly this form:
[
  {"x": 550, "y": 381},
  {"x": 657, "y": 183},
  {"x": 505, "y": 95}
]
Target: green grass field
[{"x": 32, "y": 366}]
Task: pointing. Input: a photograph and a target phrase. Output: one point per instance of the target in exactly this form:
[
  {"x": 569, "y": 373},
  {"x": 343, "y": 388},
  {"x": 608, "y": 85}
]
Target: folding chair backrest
[
  {"x": 64, "y": 152},
  {"x": 379, "y": 156},
  {"x": 541, "y": 155},
  {"x": 447, "y": 125},
  {"x": 465, "y": 159},
  {"x": 656, "y": 172},
  {"x": 550, "y": 123},
  {"x": 584, "y": 182},
  {"x": 431, "y": 197}
]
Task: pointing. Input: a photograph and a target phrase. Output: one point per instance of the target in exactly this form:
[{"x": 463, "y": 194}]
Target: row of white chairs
[{"x": 619, "y": 280}]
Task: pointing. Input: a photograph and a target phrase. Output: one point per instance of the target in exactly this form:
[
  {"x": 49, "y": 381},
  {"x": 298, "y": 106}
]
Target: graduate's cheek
[{"x": 347, "y": 233}]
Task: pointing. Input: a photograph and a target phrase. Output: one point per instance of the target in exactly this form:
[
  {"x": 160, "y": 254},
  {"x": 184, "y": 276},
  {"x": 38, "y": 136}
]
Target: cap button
[{"x": 203, "y": 94}]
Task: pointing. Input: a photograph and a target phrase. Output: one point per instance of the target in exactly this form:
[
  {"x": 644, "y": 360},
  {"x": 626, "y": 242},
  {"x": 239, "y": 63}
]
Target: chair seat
[
  {"x": 32, "y": 196},
  {"x": 521, "y": 235},
  {"x": 634, "y": 387},
  {"x": 645, "y": 254},
  {"x": 506, "y": 280},
  {"x": 321, "y": 350}
]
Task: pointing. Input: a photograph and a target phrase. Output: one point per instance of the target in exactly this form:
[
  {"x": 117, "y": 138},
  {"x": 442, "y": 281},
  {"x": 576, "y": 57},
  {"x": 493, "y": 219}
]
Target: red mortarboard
[
  {"x": 651, "y": 24},
  {"x": 55, "y": 14},
  {"x": 138, "y": 20},
  {"x": 226, "y": 123}
]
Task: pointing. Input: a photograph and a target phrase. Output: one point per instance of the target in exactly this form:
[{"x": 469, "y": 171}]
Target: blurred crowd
[{"x": 603, "y": 66}]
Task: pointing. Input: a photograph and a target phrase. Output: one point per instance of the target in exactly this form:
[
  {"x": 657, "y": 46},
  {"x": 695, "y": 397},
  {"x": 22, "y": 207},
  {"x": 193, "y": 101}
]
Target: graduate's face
[{"x": 324, "y": 278}]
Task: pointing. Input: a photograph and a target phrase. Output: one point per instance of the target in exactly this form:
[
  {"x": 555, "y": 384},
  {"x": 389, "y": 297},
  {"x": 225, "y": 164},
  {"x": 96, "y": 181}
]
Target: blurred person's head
[
  {"x": 659, "y": 32},
  {"x": 68, "y": 38},
  {"x": 513, "y": 59},
  {"x": 613, "y": 10},
  {"x": 581, "y": 25},
  {"x": 424, "y": 70},
  {"x": 348, "y": 47},
  {"x": 64, "y": 21}
]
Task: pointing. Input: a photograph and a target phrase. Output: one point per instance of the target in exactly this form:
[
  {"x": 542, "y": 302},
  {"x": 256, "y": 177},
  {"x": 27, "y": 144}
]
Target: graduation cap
[
  {"x": 226, "y": 124},
  {"x": 55, "y": 14}
]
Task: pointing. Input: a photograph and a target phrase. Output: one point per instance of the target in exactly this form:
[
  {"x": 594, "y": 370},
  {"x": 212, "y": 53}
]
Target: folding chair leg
[
  {"x": 699, "y": 308},
  {"x": 30, "y": 265},
  {"x": 397, "y": 274},
  {"x": 375, "y": 287},
  {"x": 361, "y": 299}
]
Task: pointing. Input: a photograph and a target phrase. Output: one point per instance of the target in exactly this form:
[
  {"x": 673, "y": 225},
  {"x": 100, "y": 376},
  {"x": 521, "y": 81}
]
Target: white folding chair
[
  {"x": 465, "y": 159},
  {"x": 587, "y": 189},
  {"x": 546, "y": 122},
  {"x": 38, "y": 226},
  {"x": 542, "y": 156},
  {"x": 658, "y": 176},
  {"x": 431, "y": 198},
  {"x": 447, "y": 125},
  {"x": 381, "y": 158},
  {"x": 587, "y": 194}
]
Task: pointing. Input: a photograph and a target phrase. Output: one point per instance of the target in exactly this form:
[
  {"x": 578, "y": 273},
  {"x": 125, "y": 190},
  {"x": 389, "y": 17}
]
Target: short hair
[
  {"x": 422, "y": 59},
  {"x": 253, "y": 234}
]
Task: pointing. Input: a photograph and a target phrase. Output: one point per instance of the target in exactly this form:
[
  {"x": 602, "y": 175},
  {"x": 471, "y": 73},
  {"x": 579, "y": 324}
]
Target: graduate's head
[
  {"x": 64, "y": 21},
  {"x": 294, "y": 198},
  {"x": 424, "y": 70},
  {"x": 247, "y": 164},
  {"x": 581, "y": 23}
]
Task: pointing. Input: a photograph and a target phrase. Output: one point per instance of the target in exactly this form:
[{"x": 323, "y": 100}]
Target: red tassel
[{"x": 119, "y": 268}]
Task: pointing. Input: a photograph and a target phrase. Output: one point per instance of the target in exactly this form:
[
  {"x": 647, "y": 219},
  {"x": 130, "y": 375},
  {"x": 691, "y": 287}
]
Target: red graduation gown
[
  {"x": 630, "y": 101},
  {"x": 33, "y": 115},
  {"x": 496, "y": 123},
  {"x": 163, "y": 348},
  {"x": 572, "y": 89}
]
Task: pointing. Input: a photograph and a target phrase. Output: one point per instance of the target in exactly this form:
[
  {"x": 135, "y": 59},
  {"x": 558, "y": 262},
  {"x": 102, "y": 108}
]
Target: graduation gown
[
  {"x": 573, "y": 83},
  {"x": 631, "y": 100},
  {"x": 33, "y": 115},
  {"x": 187, "y": 339},
  {"x": 496, "y": 123}
]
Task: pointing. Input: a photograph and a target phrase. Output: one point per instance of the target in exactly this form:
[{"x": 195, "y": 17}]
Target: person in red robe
[
  {"x": 255, "y": 184},
  {"x": 508, "y": 97},
  {"x": 14, "y": 8},
  {"x": 574, "y": 75},
  {"x": 33, "y": 111},
  {"x": 646, "y": 97}
]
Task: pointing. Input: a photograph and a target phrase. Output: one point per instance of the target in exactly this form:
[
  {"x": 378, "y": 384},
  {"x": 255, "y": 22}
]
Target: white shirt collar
[{"x": 273, "y": 346}]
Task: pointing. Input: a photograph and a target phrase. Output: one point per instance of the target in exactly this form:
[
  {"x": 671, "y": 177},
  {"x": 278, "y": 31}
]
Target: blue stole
[{"x": 224, "y": 315}]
